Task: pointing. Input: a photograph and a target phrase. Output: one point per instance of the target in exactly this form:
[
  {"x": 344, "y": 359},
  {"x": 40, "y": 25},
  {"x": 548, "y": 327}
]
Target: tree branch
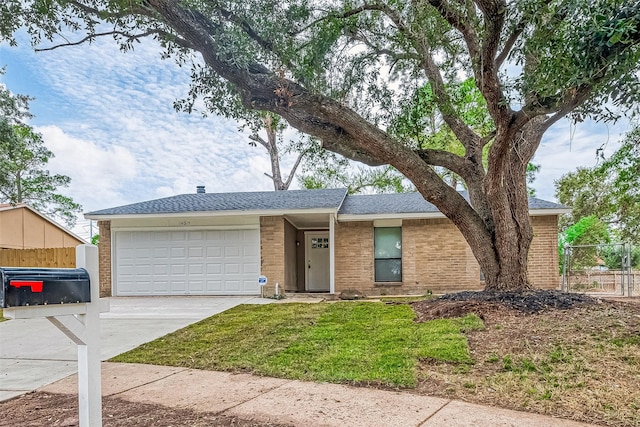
[
  {"x": 91, "y": 37},
  {"x": 247, "y": 28},
  {"x": 257, "y": 138},
  {"x": 294, "y": 168},
  {"x": 466, "y": 168},
  {"x": 459, "y": 23},
  {"x": 510, "y": 42},
  {"x": 486, "y": 71}
]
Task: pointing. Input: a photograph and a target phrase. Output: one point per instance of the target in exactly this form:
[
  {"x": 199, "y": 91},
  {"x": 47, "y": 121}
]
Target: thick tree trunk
[{"x": 505, "y": 187}]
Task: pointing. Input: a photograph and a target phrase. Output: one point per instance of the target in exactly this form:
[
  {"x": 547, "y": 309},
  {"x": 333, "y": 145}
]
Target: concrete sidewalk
[{"x": 295, "y": 402}]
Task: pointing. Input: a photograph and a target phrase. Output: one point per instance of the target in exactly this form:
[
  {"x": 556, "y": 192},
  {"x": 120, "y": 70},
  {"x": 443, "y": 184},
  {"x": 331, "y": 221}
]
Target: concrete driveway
[{"x": 34, "y": 353}]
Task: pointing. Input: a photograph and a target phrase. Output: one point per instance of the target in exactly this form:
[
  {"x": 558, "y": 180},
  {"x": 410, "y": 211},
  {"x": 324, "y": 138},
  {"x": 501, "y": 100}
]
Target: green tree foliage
[
  {"x": 589, "y": 230},
  {"x": 23, "y": 159},
  {"x": 585, "y": 235},
  {"x": 323, "y": 169},
  {"x": 343, "y": 72},
  {"x": 420, "y": 125},
  {"x": 609, "y": 191},
  {"x": 613, "y": 257}
]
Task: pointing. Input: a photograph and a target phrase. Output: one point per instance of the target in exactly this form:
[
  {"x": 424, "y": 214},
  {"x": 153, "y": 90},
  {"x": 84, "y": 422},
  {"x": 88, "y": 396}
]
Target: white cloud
[
  {"x": 566, "y": 147},
  {"x": 99, "y": 175},
  {"x": 97, "y": 98}
]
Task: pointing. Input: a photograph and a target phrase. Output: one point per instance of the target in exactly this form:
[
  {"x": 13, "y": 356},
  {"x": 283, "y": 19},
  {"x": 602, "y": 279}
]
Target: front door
[{"x": 317, "y": 257}]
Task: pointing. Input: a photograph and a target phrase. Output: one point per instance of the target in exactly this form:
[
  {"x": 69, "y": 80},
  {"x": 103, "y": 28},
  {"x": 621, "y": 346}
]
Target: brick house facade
[
  {"x": 435, "y": 257},
  {"x": 432, "y": 255}
]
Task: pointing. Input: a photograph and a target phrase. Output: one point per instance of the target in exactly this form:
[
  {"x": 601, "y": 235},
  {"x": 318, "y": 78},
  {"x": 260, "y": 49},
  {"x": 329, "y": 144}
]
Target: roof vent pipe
[{"x": 200, "y": 189}]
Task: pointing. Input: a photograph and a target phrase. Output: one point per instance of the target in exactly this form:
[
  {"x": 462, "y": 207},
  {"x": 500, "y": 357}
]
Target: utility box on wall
[{"x": 43, "y": 286}]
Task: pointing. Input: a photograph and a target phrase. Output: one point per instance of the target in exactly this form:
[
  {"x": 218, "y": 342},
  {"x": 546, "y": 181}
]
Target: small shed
[{"x": 22, "y": 227}]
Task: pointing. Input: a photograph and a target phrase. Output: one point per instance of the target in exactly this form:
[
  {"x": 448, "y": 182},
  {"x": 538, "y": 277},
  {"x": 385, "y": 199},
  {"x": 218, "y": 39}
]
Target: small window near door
[{"x": 388, "y": 254}]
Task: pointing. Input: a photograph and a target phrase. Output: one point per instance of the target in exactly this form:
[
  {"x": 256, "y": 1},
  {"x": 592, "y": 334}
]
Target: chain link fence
[{"x": 605, "y": 269}]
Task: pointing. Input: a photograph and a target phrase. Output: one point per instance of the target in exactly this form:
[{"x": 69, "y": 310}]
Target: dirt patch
[
  {"x": 566, "y": 355},
  {"x": 61, "y": 410}
]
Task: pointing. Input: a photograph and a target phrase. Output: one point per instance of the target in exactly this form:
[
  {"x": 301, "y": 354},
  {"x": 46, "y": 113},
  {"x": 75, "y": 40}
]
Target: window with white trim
[{"x": 387, "y": 254}]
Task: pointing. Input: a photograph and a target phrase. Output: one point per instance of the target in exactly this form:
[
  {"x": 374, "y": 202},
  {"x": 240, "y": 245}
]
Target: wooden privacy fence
[{"x": 41, "y": 257}]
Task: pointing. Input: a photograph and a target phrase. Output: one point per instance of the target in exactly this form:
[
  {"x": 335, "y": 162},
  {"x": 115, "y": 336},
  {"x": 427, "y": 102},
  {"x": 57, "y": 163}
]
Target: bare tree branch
[{"x": 287, "y": 183}]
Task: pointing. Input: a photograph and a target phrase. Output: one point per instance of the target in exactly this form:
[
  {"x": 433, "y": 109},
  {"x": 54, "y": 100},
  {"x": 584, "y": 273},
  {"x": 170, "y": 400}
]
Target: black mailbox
[{"x": 39, "y": 286}]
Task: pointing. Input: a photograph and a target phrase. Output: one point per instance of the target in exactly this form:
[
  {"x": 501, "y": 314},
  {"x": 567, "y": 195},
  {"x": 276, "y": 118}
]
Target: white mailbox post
[{"x": 81, "y": 323}]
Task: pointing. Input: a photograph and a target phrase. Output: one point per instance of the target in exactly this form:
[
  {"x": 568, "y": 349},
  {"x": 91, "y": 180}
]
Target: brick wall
[
  {"x": 104, "y": 257},
  {"x": 272, "y": 253},
  {"x": 435, "y": 257},
  {"x": 353, "y": 256},
  {"x": 543, "y": 254}
]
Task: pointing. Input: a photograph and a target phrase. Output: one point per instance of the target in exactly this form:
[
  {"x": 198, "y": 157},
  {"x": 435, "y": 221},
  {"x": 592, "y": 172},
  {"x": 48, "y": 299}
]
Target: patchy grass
[
  {"x": 582, "y": 364},
  {"x": 346, "y": 342}
]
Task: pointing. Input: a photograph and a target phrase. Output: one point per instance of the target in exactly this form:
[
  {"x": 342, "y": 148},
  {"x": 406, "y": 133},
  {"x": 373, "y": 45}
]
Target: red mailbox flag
[{"x": 36, "y": 286}]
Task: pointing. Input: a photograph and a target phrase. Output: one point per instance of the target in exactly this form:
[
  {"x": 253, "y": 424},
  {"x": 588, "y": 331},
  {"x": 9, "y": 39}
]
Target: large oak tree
[{"x": 342, "y": 70}]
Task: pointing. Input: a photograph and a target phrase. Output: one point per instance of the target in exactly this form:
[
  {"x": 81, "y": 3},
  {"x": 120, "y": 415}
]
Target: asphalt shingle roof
[
  {"x": 372, "y": 204},
  {"x": 246, "y": 201}
]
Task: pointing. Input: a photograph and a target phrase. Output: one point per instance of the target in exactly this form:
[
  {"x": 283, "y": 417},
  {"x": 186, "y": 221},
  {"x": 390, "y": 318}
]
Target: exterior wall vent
[{"x": 200, "y": 189}]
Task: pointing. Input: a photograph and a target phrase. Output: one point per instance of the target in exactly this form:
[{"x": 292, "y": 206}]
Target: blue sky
[{"x": 108, "y": 117}]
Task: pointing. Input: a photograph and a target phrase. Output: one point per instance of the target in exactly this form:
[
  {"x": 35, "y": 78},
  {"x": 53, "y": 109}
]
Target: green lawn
[{"x": 349, "y": 342}]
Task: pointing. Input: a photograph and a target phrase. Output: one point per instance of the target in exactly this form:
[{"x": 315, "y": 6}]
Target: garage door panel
[
  {"x": 233, "y": 286},
  {"x": 177, "y": 252},
  {"x": 160, "y": 269},
  {"x": 251, "y": 269},
  {"x": 215, "y": 235},
  {"x": 231, "y": 268},
  {"x": 215, "y": 286},
  {"x": 178, "y": 286},
  {"x": 177, "y": 236},
  {"x": 162, "y": 252},
  {"x": 196, "y": 252},
  {"x": 126, "y": 253},
  {"x": 160, "y": 236},
  {"x": 194, "y": 262},
  {"x": 214, "y": 268},
  {"x": 161, "y": 287},
  {"x": 196, "y": 286},
  {"x": 214, "y": 252},
  {"x": 144, "y": 269},
  {"x": 196, "y": 269},
  {"x": 177, "y": 269},
  {"x": 232, "y": 251},
  {"x": 196, "y": 236}
]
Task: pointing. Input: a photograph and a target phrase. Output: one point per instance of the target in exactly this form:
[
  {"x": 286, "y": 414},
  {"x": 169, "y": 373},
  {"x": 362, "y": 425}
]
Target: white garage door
[{"x": 193, "y": 262}]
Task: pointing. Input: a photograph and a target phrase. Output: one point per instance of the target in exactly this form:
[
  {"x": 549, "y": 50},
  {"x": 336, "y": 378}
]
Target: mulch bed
[{"x": 530, "y": 302}]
